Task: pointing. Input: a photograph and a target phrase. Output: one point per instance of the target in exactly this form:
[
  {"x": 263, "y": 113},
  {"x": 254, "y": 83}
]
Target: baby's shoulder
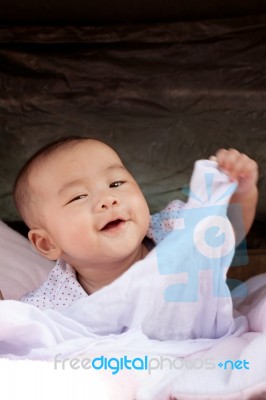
[
  {"x": 59, "y": 291},
  {"x": 162, "y": 222}
]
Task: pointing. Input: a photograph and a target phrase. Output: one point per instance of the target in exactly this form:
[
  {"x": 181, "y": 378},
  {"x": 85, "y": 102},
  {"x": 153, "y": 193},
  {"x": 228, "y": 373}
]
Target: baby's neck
[{"x": 93, "y": 280}]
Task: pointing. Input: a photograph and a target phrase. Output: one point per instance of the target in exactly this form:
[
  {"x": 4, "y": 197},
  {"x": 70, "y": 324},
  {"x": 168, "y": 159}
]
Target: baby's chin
[{"x": 124, "y": 253}]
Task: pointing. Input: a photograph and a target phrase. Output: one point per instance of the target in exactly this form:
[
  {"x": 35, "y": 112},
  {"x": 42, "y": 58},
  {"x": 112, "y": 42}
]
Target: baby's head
[{"x": 80, "y": 203}]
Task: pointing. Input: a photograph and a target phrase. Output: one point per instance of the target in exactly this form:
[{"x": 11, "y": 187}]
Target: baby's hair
[{"x": 22, "y": 193}]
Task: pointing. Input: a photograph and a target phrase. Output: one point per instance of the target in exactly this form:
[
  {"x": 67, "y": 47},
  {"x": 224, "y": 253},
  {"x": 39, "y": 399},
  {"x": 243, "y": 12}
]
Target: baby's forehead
[
  {"x": 89, "y": 149},
  {"x": 96, "y": 155}
]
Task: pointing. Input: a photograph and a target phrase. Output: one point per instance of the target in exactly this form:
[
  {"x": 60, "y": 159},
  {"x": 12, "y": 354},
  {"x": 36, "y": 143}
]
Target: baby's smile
[{"x": 114, "y": 226}]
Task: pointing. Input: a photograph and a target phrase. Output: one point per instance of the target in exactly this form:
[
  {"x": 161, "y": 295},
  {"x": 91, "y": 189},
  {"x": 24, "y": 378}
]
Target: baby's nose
[{"x": 106, "y": 202}]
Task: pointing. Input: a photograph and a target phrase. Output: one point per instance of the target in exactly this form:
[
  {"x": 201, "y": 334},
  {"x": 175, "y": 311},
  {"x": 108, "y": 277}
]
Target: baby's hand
[{"x": 240, "y": 168}]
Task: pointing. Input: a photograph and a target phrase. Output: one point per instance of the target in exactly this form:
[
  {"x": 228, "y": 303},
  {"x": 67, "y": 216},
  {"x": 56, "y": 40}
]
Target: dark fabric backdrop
[
  {"x": 122, "y": 11},
  {"x": 163, "y": 94}
]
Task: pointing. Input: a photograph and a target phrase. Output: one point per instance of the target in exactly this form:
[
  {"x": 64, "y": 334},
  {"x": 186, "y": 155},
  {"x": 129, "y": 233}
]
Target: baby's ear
[{"x": 44, "y": 244}]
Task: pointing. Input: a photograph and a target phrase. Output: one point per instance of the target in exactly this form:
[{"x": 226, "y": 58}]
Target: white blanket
[
  {"x": 161, "y": 306},
  {"x": 30, "y": 333}
]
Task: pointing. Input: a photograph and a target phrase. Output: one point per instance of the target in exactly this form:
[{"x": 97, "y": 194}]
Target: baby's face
[{"x": 91, "y": 206}]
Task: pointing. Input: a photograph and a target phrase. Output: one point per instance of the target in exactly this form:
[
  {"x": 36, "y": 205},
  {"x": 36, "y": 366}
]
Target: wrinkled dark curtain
[
  {"x": 163, "y": 94},
  {"x": 88, "y": 12}
]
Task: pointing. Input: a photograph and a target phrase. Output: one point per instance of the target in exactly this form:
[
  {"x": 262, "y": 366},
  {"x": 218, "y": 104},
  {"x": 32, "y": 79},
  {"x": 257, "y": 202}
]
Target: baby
[{"x": 85, "y": 210}]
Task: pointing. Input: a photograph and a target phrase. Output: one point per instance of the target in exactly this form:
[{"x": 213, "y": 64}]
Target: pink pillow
[{"x": 22, "y": 269}]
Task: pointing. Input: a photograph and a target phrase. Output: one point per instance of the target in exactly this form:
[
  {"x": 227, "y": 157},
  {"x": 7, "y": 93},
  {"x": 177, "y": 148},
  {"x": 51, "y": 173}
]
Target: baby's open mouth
[{"x": 112, "y": 224}]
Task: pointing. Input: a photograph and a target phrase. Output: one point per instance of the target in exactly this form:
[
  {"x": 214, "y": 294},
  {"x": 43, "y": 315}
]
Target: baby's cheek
[
  {"x": 139, "y": 207},
  {"x": 145, "y": 216}
]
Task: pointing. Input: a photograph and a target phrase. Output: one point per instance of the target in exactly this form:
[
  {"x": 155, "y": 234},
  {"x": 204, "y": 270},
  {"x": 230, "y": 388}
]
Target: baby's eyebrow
[
  {"x": 67, "y": 185},
  {"x": 76, "y": 182},
  {"x": 114, "y": 166}
]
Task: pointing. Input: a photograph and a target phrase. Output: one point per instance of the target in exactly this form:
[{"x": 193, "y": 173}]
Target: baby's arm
[{"x": 245, "y": 171}]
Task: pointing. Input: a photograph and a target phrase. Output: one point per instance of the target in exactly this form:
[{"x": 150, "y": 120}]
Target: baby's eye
[
  {"x": 116, "y": 184},
  {"x": 81, "y": 196}
]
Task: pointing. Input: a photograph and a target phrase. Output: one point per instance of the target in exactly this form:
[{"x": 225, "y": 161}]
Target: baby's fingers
[
  {"x": 227, "y": 158},
  {"x": 237, "y": 165}
]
